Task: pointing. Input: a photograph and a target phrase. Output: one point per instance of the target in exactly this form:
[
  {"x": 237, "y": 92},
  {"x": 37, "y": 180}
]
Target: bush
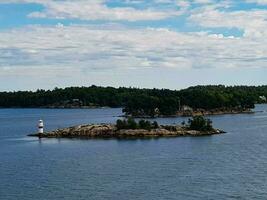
[
  {"x": 121, "y": 124},
  {"x": 199, "y": 123},
  {"x": 144, "y": 124},
  {"x": 130, "y": 123},
  {"x": 155, "y": 124}
]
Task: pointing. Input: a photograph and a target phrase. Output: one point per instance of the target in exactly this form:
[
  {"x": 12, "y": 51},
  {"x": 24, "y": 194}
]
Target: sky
[{"x": 139, "y": 43}]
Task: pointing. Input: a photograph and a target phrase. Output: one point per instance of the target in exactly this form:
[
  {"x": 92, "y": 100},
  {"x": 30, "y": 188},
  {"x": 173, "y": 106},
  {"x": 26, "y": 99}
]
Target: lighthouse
[{"x": 41, "y": 127}]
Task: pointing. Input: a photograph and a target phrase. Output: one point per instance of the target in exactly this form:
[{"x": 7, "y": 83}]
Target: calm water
[{"x": 229, "y": 166}]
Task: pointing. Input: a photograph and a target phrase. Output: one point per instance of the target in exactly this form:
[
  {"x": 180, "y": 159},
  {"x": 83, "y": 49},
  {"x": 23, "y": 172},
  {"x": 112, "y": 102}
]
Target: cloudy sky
[{"x": 140, "y": 43}]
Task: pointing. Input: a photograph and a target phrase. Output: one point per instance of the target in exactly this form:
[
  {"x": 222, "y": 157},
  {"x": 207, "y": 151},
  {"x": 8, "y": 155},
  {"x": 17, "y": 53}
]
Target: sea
[{"x": 219, "y": 167}]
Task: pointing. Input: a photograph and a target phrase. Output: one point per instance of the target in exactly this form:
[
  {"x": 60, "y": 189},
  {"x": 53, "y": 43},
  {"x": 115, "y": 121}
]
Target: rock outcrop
[{"x": 110, "y": 131}]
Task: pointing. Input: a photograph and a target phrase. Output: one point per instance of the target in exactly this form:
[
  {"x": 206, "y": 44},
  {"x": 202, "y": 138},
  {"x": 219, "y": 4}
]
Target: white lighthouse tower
[{"x": 41, "y": 127}]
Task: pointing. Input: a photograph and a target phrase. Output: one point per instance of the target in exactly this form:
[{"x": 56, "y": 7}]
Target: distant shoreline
[
  {"x": 67, "y": 108},
  {"x": 138, "y": 101},
  {"x": 197, "y": 113},
  {"x": 179, "y": 114}
]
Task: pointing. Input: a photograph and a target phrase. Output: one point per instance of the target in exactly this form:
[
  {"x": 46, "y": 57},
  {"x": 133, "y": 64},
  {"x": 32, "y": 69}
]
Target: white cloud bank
[
  {"x": 260, "y": 2},
  {"x": 98, "y": 10},
  {"x": 104, "y": 48},
  {"x": 95, "y": 10},
  {"x": 252, "y": 22},
  {"x": 62, "y": 51}
]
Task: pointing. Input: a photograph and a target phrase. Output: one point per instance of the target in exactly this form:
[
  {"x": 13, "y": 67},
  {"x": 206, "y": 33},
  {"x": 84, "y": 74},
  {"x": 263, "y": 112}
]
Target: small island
[{"x": 129, "y": 128}]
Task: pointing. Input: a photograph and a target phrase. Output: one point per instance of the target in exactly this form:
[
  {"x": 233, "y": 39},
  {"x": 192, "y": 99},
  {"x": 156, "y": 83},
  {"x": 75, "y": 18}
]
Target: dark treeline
[
  {"x": 139, "y": 101},
  {"x": 210, "y": 97}
]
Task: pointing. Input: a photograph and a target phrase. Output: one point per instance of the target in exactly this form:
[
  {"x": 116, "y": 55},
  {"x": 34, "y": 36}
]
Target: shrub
[
  {"x": 121, "y": 124},
  {"x": 155, "y": 124},
  {"x": 199, "y": 123},
  {"x": 144, "y": 124},
  {"x": 130, "y": 123}
]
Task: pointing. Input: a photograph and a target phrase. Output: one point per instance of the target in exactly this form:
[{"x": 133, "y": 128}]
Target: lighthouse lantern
[{"x": 41, "y": 127}]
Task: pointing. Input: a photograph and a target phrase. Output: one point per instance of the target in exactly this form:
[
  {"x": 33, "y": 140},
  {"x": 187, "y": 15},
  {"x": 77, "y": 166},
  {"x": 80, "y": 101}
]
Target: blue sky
[{"x": 154, "y": 43}]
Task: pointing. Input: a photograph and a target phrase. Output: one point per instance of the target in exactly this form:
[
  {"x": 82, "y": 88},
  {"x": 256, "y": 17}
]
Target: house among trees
[
  {"x": 186, "y": 108},
  {"x": 263, "y": 98}
]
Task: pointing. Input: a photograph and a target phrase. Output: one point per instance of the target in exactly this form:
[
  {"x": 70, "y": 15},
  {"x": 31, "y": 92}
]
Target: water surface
[{"x": 229, "y": 166}]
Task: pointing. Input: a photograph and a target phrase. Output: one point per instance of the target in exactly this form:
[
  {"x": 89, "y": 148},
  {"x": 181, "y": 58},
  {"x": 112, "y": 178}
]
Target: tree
[
  {"x": 155, "y": 125},
  {"x": 140, "y": 102},
  {"x": 144, "y": 124},
  {"x": 121, "y": 124},
  {"x": 199, "y": 123},
  {"x": 131, "y": 124}
]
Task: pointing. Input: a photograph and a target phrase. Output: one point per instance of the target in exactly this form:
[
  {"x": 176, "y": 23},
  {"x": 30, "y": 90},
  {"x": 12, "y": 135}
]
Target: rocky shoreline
[
  {"x": 215, "y": 112},
  {"x": 110, "y": 131},
  {"x": 199, "y": 112}
]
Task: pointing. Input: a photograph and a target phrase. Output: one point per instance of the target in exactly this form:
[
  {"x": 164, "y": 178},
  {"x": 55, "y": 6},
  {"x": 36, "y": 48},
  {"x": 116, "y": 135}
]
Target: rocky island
[{"x": 198, "y": 126}]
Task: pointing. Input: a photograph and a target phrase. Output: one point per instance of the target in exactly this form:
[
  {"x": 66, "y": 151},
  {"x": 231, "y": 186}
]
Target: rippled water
[{"x": 229, "y": 166}]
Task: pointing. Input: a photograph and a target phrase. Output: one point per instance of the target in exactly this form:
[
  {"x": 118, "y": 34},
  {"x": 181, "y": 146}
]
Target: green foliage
[
  {"x": 199, "y": 123},
  {"x": 144, "y": 124},
  {"x": 155, "y": 124},
  {"x": 212, "y": 97},
  {"x": 121, "y": 124},
  {"x": 130, "y": 123},
  {"x": 139, "y": 102}
]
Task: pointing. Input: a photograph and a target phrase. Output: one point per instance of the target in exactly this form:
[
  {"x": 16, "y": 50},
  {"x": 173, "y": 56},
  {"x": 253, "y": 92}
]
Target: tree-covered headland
[{"x": 140, "y": 102}]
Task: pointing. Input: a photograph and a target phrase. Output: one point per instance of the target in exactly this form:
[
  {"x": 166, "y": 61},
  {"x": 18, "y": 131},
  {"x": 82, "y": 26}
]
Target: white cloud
[
  {"x": 252, "y": 22},
  {"x": 203, "y": 1},
  {"x": 95, "y": 10},
  {"x": 106, "y": 48},
  {"x": 260, "y": 2}
]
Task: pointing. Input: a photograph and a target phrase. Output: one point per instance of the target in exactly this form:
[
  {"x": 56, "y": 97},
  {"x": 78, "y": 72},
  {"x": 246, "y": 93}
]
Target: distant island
[
  {"x": 197, "y": 126},
  {"x": 198, "y": 100}
]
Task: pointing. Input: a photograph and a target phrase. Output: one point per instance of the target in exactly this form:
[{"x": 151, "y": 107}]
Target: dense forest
[{"x": 139, "y": 101}]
